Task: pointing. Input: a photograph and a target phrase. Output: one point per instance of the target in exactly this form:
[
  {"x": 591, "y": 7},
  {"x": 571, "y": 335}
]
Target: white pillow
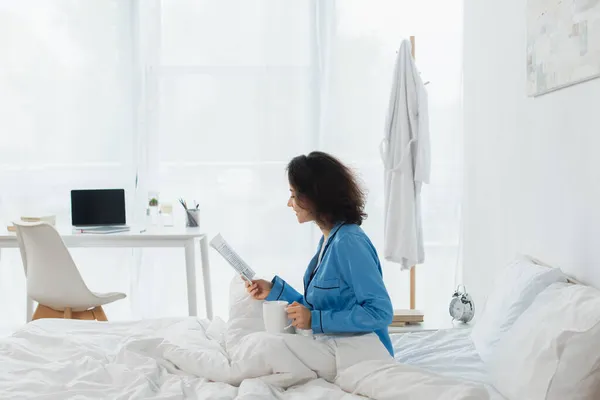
[
  {"x": 552, "y": 352},
  {"x": 514, "y": 289}
]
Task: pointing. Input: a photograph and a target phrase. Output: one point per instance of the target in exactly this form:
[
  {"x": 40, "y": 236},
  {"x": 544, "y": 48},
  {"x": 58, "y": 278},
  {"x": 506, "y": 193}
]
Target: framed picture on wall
[{"x": 563, "y": 44}]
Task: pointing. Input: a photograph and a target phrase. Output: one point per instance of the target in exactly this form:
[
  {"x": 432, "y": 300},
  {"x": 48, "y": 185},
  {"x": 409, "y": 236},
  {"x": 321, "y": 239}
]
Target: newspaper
[{"x": 223, "y": 248}]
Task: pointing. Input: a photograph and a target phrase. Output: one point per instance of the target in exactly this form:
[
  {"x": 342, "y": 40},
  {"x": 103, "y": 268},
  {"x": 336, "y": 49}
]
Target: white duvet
[{"x": 192, "y": 359}]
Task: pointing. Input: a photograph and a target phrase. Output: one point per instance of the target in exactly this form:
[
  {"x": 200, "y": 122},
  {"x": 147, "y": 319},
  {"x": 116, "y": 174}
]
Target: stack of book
[
  {"x": 404, "y": 317},
  {"x": 51, "y": 219}
]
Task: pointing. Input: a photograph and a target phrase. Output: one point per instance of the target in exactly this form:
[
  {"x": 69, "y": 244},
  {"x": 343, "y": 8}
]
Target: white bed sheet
[
  {"x": 189, "y": 358},
  {"x": 54, "y": 359},
  {"x": 447, "y": 352},
  {"x": 57, "y": 359}
]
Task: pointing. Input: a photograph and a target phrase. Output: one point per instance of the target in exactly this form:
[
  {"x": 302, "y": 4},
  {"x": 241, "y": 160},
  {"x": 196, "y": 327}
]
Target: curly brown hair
[{"x": 327, "y": 188}]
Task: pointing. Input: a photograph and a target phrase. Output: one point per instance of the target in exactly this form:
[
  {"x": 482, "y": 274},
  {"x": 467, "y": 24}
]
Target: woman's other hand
[
  {"x": 300, "y": 315},
  {"x": 259, "y": 288}
]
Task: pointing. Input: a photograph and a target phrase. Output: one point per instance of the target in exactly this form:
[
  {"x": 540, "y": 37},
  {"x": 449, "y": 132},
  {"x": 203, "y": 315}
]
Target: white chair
[{"x": 53, "y": 279}]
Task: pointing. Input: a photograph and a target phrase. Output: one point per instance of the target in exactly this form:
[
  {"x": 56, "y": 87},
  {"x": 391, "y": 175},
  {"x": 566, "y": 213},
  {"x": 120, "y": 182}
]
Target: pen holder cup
[{"x": 192, "y": 219}]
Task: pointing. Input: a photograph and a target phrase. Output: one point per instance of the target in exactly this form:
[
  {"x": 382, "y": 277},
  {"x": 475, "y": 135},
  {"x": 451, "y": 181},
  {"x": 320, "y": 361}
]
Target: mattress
[{"x": 448, "y": 352}]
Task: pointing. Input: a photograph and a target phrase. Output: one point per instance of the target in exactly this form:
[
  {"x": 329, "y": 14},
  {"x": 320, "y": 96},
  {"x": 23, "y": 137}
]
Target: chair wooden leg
[
  {"x": 43, "y": 311},
  {"x": 36, "y": 313},
  {"x": 87, "y": 315},
  {"x": 99, "y": 313},
  {"x": 96, "y": 313}
]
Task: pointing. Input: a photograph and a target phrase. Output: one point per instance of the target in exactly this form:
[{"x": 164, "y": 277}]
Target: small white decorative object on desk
[
  {"x": 152, "y": 214},
  {"x": 50, "y": 219},
  {"x": 166, "y": 214}
]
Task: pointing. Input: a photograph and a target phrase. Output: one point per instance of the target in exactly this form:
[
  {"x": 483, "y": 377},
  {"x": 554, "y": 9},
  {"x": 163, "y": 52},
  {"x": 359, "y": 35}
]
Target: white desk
[{"x": 152, "y": 237}]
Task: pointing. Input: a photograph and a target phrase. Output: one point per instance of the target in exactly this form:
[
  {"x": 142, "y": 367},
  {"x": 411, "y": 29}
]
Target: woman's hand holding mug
[{"x": 300, "y": 315}]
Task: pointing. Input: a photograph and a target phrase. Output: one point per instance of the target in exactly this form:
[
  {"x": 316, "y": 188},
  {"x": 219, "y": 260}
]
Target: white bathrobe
[{"x": 406, "y": 156}]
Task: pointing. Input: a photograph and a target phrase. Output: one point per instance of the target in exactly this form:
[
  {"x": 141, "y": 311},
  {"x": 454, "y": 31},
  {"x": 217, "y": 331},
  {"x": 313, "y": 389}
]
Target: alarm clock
[{"x": 462, "y": 307}]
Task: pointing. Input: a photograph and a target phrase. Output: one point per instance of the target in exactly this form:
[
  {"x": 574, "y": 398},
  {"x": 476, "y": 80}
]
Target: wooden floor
[{"x": 94, "y": 314}]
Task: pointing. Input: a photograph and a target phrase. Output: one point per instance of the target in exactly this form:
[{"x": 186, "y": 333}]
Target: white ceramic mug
[{"x": 275, "y": 316}]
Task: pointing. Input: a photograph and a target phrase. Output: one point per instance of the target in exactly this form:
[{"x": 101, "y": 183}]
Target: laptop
[{"x": 98, "y": 210}]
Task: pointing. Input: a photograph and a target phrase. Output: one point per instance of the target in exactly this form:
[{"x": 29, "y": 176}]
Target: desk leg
[
  {"x": 190, "y": 271},
  {"x": 206, "y": 277}
]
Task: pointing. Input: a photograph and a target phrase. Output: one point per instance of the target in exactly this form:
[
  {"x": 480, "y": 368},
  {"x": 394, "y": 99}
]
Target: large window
[{"x": 209, "y": 100}]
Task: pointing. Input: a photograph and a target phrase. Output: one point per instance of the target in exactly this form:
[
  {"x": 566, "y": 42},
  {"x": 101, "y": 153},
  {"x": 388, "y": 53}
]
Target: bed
[
  {"x": 448, "y": 352},
  {"x": 198, "y": 359},
  {"x": 55, "y": 359}
]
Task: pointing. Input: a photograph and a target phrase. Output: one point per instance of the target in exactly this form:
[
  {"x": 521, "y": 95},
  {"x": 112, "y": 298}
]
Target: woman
[{"x": 343, "y": 284}]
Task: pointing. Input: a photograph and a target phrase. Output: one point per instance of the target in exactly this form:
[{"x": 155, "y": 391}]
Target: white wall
[{"x": 532, "y": 180}]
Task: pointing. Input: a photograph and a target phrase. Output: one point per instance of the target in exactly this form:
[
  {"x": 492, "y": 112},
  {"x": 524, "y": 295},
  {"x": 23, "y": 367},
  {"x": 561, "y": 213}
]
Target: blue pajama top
[{"x": 345, "y": 292}]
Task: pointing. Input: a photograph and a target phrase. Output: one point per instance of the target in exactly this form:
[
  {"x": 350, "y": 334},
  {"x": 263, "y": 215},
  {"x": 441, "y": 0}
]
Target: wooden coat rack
[
  {"x": 413, "y": 275},
  {"x": 411, "y": 316}
]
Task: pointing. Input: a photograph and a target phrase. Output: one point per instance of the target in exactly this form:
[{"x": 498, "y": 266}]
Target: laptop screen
[{"x": 98, "y": 207}]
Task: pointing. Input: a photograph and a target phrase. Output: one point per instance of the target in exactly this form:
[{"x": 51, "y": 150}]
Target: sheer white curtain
[
  {"x": 209, "y": 100},
  {"x": 230, "y": 100},
  {"x": 65, "y": 122}
]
